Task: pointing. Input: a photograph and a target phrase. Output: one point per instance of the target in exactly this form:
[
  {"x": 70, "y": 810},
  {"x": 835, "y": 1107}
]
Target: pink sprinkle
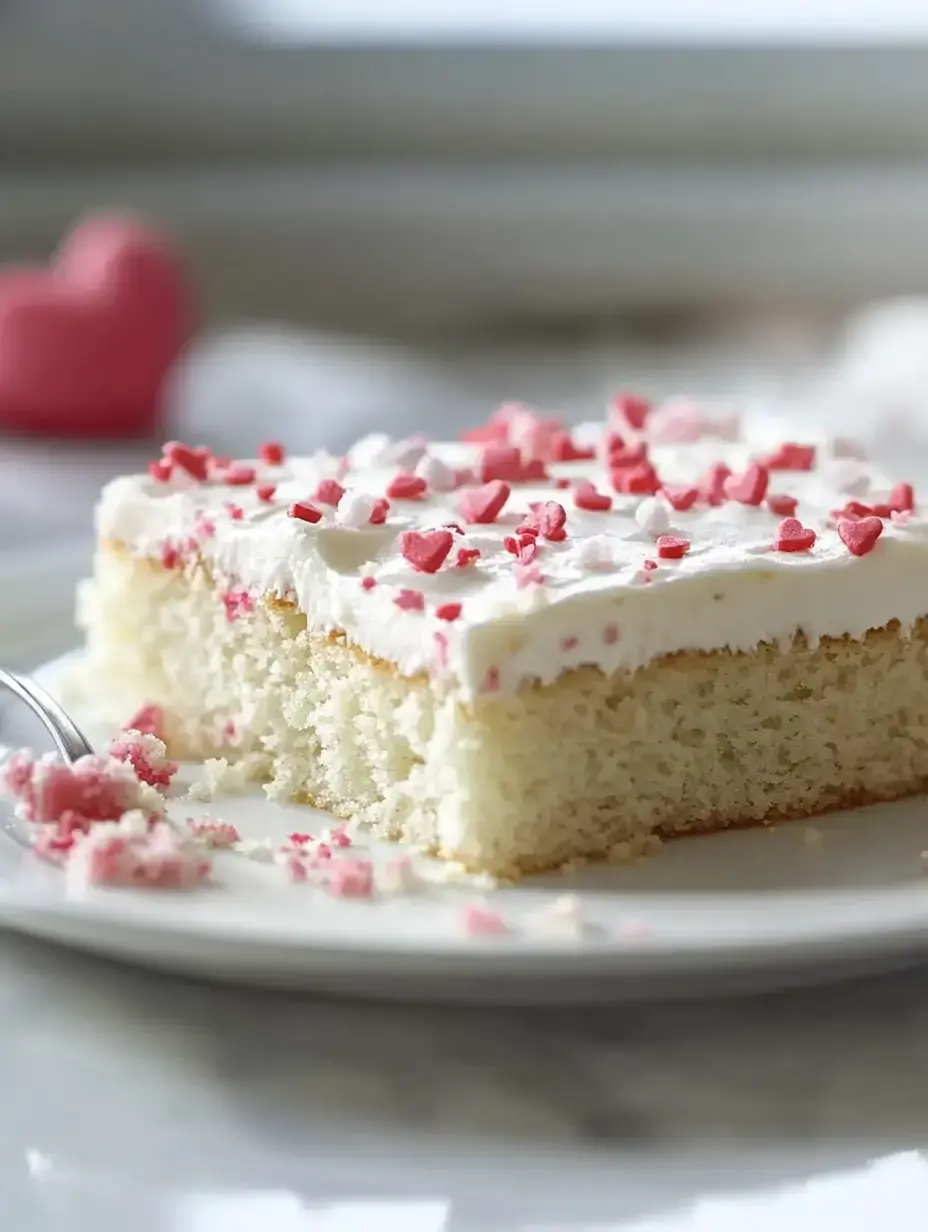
[
  {"x": 339, "y": 836},
  {"x": 562, "y": 483},
  {"x": 350, "y": 879},
  {"x": 441, "y": 649},
  {"x": 160, "y": 471},
  {"x": 448, "y": 611},
  {"x": 410, "y": 600},
  {"x": 712, "y": 484},
  {"x": 265, "y": 492},
  {"x": 205, "y": 528},
  {"x": 368, "y": 583},
  {"x": 170, "y": 556},
  {"x": 501, "y": 462},
  {"x": 480, "y": 921},
  {"x": 465, "y": 557},
  {"x": 611, "y": 634},
  {"x": 783, "y": 506},
  {"x": 91, "y": 789},
  {"x": 427, "y": 550},
  {"x": 791, "y": 457},
  {"x": 299, "y": 839},
  {"x": 235, "y": 512},
  {"x": 149, "y": 720},
  {"x": 669, "y": 547},
  {"x": 194, "y": 461},
  {"x": 630, "y": 409},
  {"x": 484, "y": 504},
  {"x": 650, "y": 565},
  {"x": 528, "y": 575},
  {"x": 218, "y": 835},
  {"x": 379, "y": 512},
  {"x": 303, "y": 511},
  {"x": 271, "y": 453},
  {"x": 679, "y": 498},
  {"x": 587, "y": 497},
  {"x": 239, "y": 475},
  {"x": 237, "y": 603},
  {"x": 329, "y": 492},
  {"x": 569, "y": 643},
  {"x": 405, "y": 486}
]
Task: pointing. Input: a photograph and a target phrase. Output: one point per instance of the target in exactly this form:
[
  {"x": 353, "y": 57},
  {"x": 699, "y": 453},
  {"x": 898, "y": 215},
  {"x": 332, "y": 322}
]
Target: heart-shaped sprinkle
[
  {"x": 329, "y": 492},
  {"x": 483, "y": 505},
  {"x": 271, "y": 453},
  {"x": 265, "y": 492},
  {"x": 194, "y": 461},
  {"x": 410, "y": 600},
  {"x": 587, "y": 497},
  {"x": 426, "y": 550},
  {"x": 669, "y": 547},
  {"x": 791, "y": 457},
  {"x": 792, "y": 536},
  {"x": 860, "y": 536},
  {"x": 712, "y": 484},
  {"x": 679, "y": 498},
  {"x": 303, "y": 511},
  {"x": 501, "y": 462},
  {"x": 631, "y": 409},
  {"x": 749, "y": 488},
  {"x": 405, "y": 486},
  {"x": 465, "y": 557},
  {"x": 640, "y": 480},
  {"x": 238, "y": 475},
  {"x": 783, "y": 506},
  {"x": 379, "y": 512},
  {"x": 448, "y": 611}
]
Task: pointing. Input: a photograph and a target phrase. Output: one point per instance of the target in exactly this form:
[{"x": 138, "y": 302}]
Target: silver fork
[{"x": 69, "y": 739}]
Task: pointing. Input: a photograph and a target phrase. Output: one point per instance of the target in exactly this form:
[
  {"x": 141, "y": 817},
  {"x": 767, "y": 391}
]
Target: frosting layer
[{"x": 531, "y": 592}]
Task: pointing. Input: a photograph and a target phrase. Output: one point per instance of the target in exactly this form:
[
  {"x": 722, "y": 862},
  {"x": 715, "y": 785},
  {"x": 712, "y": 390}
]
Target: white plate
[{"x": 728, "y": 912}]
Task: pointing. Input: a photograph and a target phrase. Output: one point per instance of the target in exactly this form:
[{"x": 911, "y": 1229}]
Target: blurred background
[{"x": 400, "y": 212}]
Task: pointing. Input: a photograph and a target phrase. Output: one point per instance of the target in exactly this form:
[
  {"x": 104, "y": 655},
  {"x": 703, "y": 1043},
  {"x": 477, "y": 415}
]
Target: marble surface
[{"x": 135, "y": 1101}]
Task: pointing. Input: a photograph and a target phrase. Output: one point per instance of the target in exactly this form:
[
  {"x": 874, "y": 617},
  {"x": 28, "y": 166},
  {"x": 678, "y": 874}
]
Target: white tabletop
[{"x": 136, "y": 1101}]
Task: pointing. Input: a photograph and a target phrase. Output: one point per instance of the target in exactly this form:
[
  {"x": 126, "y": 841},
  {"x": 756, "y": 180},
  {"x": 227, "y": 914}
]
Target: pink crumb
[
  {"x": 350, "y": 879},
  {"x": 237, "y": 603},
  {"x": 91, "y": 789},
  {"x": 480, "y": 921},
  {"x": 218, "y": 835},
  {"x": 146, "y": 755},
  {"x": 156, "y": 860}
]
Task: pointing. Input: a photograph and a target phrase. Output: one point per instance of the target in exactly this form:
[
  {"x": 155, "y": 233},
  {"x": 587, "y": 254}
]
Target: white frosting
[{"x": 598, "y": 603}]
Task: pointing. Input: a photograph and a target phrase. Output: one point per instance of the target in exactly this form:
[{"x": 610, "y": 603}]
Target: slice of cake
[{"x": 535, "y": 645}]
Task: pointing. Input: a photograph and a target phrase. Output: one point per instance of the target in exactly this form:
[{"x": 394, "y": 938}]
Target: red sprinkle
[
  {"x": 712, "y": 484},
  {"x": 426, "y": 550},
  {"x": 640, "y": 480},
  {"x": 194, "y": 461},
  {"x": 379, "y": 512},
  {"x": 501, "y": 462},
  {"x": 170, "y": 556},
  {"x": 587, "y": 497},
  {"x": 792, "y": 536},
  {"x": 483, "y": 505},
  {"x": 784, "y": 506},
  {"x": 458, "y": 530},
  {"x": 791, "y": 457},
  {"x": 569, "y": 643},
  {"x": 448, "y": 611},
  {"x": 493, "y": 433},
  {"x": 650, "y": 565},
  {"x": 465, "y": 557},
  {"x": 406, "y": 486},
  {"x": 271, "y": 453},
  {"x": 149, "y": 720},
  {"x": 265, "y": 492},
  {"x": 410, "y": 601},
  {"x": 368, "y": 583},
  {"x": 235, "y": 512},
  {"x": 621, "y": 454},
  {"x": 303, "y": 511},
  {"x": 562, "y": 482},
  {"x": 239, "y": 476},
  {"x": 669, "y": 547},
  {"x": 750, "y": 488},
  {"x": 329, "y": 492},
  {"x": 632, "y": 408},
  {"x": 160, "y": 471},
  {"x": 900, "y": 500},
  {"x": 678, "y": 498},
  {"x": 563, "y": 449},
  {"x": 237, "y": 603},
  {"x": 859, "y": 537}
]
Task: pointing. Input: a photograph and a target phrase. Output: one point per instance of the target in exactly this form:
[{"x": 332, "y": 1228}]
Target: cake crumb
[
  {"x": 562, "y": 918},
  {"x": 812, "y": 837},
  {"x": 213, "y": 833},
  {"x": 220, "y": 776},
  {"x": 258, "y": 849},
  {"x": 397, "y": 877}
]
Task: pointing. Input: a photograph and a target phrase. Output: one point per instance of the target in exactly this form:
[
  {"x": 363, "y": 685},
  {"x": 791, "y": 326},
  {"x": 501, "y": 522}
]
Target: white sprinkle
[
  {"x": 370, "y": 451},
  {"x": 652, "y": 517},
  {"x": 406, "y": 453},
  {"x": 439, "y": 477},
  {"x": 355, "y": 509},
  {"x": 133, "y": 824},
  {"x": 594, "y": 553}
]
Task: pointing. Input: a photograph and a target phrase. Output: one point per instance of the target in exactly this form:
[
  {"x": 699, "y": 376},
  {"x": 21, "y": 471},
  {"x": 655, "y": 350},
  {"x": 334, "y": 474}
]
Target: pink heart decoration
[
  {"x": 86, "y": 345},
  {"x": 859, "y": 537},
  {"x": 483, "y": 504},
  {"x": 426, "y": 550}
]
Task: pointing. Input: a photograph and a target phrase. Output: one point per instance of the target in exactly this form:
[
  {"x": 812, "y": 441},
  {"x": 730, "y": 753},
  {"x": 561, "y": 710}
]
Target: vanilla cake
[{"x": 533, "y": 646}]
